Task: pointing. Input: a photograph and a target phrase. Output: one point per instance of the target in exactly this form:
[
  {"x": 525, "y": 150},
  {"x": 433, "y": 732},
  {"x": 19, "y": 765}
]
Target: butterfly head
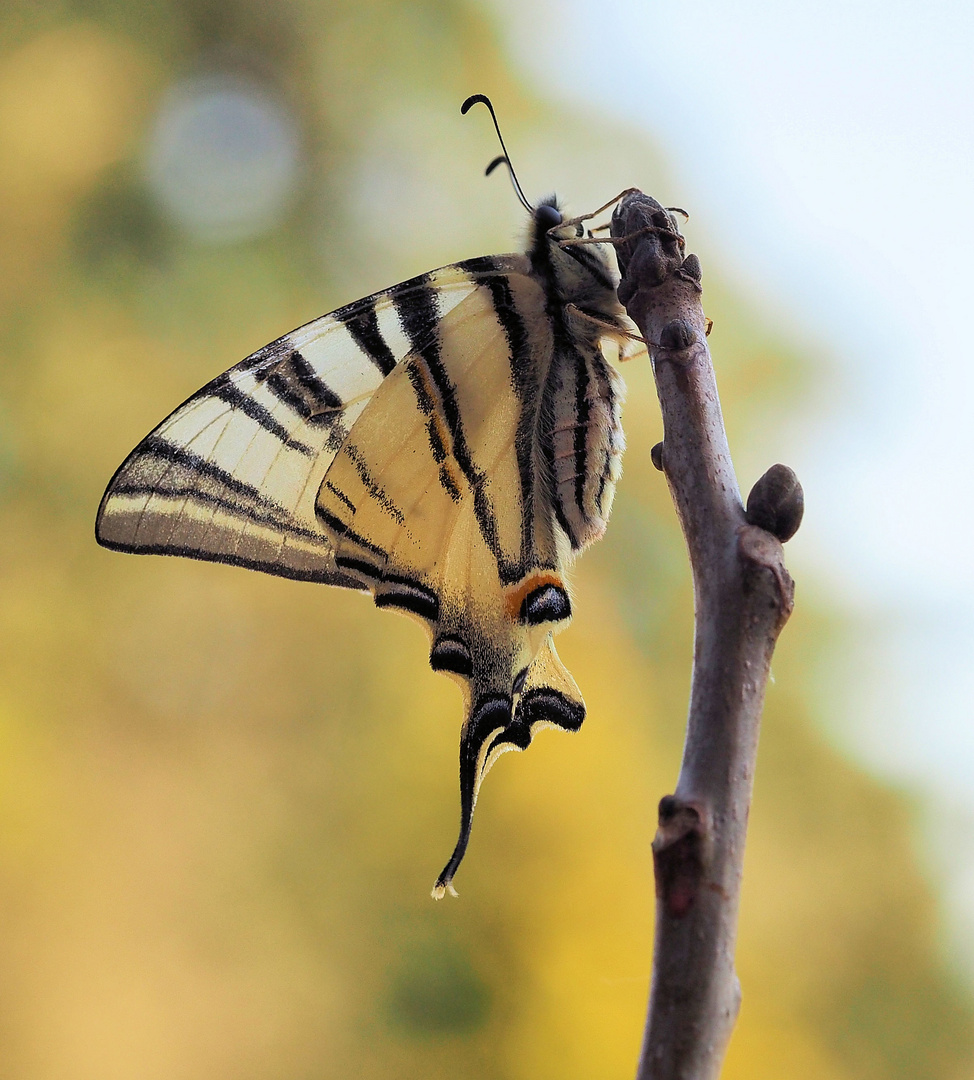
[
  {"x": 549, "y": 225},
  {"x": 585, "y": 275}
]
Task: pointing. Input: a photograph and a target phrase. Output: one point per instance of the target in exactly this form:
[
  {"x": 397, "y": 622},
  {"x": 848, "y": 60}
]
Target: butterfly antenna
[{"x": 468, "y": 104}]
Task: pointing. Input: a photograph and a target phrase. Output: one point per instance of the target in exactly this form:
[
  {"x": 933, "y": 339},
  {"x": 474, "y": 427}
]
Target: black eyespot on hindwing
[
  {"x": 449, "y": 653},
  {"x": 542, "y": 705},
  {"x": 551, "y": 706},
  {"x": 547, "y": 603},
  {"x": 409, "y": 596}
]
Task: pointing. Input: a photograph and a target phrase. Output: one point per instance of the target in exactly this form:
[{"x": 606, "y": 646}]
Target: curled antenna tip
[
  {"x": 505, "y": 158},
  {"x": 472, "y": 100},
  {"x": 499, "y": 160}
]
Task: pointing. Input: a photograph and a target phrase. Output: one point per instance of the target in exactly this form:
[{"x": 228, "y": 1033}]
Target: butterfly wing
[
  {"x": 440, "y": 503},
  {"x": 232, "y": 475},
  {"x": 423, "y": 444}
]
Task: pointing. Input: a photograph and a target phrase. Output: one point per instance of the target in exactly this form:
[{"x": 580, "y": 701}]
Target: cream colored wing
[{"x": 232, "y": 475}]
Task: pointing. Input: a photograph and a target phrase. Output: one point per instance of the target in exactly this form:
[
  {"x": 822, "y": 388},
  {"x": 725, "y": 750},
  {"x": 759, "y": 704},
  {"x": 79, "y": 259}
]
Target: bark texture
[{"x": 743, "y": 596}]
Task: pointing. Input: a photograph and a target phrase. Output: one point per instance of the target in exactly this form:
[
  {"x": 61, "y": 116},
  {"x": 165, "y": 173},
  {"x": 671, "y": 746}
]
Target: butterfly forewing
[{"x": 232, "y": 475}]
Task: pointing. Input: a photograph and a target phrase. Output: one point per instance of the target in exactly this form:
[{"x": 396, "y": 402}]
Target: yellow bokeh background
[{"x": 224, "y": 796}]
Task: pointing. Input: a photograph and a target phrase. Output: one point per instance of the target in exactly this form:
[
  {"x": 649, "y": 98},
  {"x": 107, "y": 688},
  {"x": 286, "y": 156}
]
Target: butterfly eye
[{"x": 547, "y": 216}]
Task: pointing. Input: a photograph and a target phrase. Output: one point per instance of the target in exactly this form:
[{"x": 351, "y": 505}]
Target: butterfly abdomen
[{"x": 586, "y": 445}]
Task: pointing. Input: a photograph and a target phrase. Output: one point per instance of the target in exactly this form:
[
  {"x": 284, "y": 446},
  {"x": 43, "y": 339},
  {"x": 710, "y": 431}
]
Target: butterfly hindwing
[{"x": 451, "y": 520}]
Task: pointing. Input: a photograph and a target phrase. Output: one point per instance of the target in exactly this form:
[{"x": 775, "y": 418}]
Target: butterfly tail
[
  {"x": 490, "y": 716},
  {"x": 549, "y": 697}
]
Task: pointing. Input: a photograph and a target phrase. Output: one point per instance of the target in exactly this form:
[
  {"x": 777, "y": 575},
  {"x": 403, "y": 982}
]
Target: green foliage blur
[{"x": 224, "y": 796}]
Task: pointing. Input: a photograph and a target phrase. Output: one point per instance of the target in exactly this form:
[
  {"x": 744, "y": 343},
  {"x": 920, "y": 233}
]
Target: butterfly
[{"x": 448, "y": 445}]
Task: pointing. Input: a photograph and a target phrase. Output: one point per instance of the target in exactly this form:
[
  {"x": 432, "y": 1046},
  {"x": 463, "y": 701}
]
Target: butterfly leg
[
  {"x": 615, "y": 241},
  {"x": 595, "y": 213}
]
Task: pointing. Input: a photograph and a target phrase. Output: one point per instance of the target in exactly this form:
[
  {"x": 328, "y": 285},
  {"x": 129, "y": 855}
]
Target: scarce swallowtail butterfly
[{"x": 448, "y": 445}]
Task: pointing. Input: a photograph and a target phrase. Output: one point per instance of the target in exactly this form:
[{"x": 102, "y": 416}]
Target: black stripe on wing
[
  {"x": 241, "y": 401},
  {"x": 179, "y": 467},
  {"x": 427, "y": 407},
  {"x": 158, "y": 470},
  {"x": 359, "y": 566},
  {"x": 371, "y": 485},
  {"x": 362, "y": 322},
  {"x": 593, "y": 264},
  {"x": 316, "y": 574},
  {"x": 582, "y": 411},
  {"x": 346, "y": 532},
  {"x": 193, "y": 493},
  {"x": 481, "y": 264},
  {"x": 341, "y": 496},
  {"x": 605, "y": 393},
  {"x": 419, "y": 315},
  {"x": 524, "y": 376},
  {"x": 295, "y": 382},
  {"x": 565, "y": 354}
]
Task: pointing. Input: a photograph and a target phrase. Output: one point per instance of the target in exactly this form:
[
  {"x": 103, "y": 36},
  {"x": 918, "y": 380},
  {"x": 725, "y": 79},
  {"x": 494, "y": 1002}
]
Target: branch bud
[{"x": 777, "y": 503}]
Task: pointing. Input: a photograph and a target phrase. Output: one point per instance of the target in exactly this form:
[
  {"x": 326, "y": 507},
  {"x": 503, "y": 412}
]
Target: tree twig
[{"x": 743, "y": 596}]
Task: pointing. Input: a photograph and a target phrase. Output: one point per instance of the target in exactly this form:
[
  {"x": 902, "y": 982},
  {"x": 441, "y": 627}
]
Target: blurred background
[{"x": 224, "y": 796}]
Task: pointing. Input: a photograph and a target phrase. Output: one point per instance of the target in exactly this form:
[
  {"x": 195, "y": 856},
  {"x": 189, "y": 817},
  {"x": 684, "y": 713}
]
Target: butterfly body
[{"x": 447, "y": 445}]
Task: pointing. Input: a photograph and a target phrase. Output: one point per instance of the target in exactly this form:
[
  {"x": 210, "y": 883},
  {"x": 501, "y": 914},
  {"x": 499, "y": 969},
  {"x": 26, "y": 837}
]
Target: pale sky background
[{"x": 826, "y": 152}]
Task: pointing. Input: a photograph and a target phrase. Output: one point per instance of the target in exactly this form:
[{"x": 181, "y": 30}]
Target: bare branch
[{"x": 743, "y": 597}]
